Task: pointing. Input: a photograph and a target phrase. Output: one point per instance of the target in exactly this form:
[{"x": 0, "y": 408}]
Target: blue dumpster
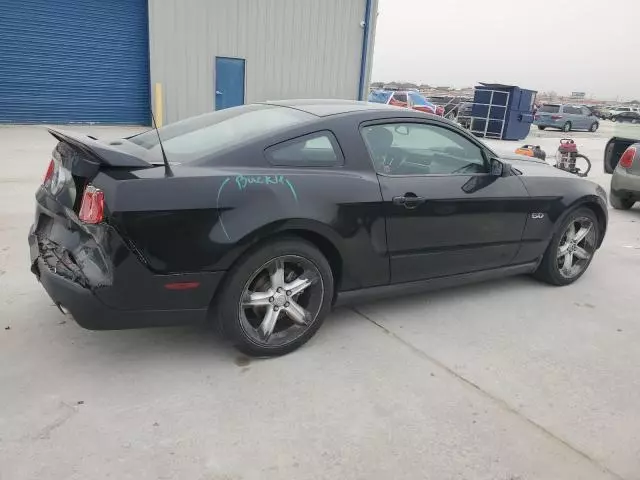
[{"x": 502, "y": 111}]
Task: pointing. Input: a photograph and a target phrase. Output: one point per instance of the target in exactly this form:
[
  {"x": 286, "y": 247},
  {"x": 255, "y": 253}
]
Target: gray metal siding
[{"x": 293, "y": 49}]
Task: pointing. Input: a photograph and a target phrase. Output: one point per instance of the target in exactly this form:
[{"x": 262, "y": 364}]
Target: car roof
[{"x": 324, "y": 108}]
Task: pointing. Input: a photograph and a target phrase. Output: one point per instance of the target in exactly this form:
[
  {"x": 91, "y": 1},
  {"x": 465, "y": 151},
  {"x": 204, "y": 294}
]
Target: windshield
[
  {"x": 379, "y": 96},
  {"x": 419, "y": 100},
  {"x": 549, "y": 109},
  {"x": 200, "y": 136}
]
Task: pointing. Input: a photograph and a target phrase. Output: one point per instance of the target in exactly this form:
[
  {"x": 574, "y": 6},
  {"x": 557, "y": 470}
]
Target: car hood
[{"x": 534, "y": 167}]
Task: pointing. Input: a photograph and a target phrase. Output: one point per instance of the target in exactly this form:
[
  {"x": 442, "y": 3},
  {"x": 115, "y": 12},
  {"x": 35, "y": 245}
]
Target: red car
[{"x": 407, "y": 99}]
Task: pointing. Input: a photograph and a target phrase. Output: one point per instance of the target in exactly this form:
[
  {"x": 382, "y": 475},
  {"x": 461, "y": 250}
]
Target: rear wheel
[
  {"x": 540, "y": 127},
  {"x": 620, "y": 203},
  {"x": 276, "y": 299},
  {"x": 571, "y": 249},
  {"x": 594, "y": 127},
  {"x": 566, "y": 127}
]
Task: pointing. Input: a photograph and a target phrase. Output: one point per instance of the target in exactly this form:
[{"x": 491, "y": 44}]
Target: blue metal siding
[{"x": 65, "y": 61}]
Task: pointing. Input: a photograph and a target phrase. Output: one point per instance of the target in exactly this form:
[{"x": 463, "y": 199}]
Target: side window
[
  {"x": 422, "y": 149},
  {"x": 586, "y": 111},
  {"x": 400, "y": 97},
  {"x": 315, "y": 150}
]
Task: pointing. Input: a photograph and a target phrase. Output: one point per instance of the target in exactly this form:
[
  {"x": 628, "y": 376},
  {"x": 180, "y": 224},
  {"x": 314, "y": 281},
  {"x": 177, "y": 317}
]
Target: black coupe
[{"x": 265, "y": 216}]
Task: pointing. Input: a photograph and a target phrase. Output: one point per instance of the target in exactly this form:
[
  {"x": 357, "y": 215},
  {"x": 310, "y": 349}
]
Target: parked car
[
  {"x": 265, "y": 216},
  {"x": 613, "y": 151},
  {"x": 407, "y": 99},
  {"x": 626, "y": 117},
  {"x": 613, "y": 111},
  {"x": 449, "y": 103},
  {"x": 566, "y": 118},
  {"x": 625, "y": 182},
  {"x": 599, "y": 112},
  {"x": 465, "y": 111}
]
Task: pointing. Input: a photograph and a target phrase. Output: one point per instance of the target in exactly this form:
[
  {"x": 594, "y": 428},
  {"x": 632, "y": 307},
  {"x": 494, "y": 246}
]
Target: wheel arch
[
  {"x": 320, "y": 236},
  {"x": 598, "y": 210}
]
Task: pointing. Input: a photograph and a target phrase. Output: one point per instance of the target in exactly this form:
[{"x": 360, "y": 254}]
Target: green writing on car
[{"x": 242, "y": 181}]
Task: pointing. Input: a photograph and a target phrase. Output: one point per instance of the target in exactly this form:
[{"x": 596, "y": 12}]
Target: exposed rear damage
[{"x": 86, "y": 266}]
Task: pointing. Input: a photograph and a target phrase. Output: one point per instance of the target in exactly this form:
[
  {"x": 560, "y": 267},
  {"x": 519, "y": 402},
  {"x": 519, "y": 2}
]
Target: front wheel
[
  {"x": 571, "y": 249},
  {"x": 594, "y": 127},
  {"x": 540, "y": 127},
  {"x": 276, "y": 299},
  {"x": 566, "y": 127}
]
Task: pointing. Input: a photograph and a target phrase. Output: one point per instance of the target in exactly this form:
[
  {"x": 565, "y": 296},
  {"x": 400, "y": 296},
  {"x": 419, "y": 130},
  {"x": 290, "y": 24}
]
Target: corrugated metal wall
[
  {"x": 293, "y": 49},
  {"x": 67, "y": 61}
]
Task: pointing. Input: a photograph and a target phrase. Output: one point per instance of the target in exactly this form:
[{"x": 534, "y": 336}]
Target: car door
[
  {"x": 446, "y": 214},
  {"x": 589, "y": 118},
  {"x": 573, "y": 115}
]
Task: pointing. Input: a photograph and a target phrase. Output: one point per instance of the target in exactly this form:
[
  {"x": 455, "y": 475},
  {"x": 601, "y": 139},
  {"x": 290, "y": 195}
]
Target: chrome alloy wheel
[
  {"x": 281, "y": 300},
  {"x": 576, "y": 247}
]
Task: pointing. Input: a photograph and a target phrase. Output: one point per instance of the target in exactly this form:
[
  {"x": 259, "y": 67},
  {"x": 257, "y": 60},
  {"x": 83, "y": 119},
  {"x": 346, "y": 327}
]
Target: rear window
[
  {"x": 549, "y": 109},
  {"x": 379, "y": 96},
  {"x": 198, "y": 137}
]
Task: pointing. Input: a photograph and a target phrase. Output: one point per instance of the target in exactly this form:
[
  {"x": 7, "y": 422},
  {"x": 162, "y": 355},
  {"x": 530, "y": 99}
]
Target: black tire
[
  {"x": 566, "y": 127},
  {"x": 548, "y": 271},
  {"x": 620, "y": 203},
  {"x": 230, "y": 315},
  {"x": 540, "y": 127},
  {"x": 614, "y": 119},
  {"x": 594, "y": 127}
]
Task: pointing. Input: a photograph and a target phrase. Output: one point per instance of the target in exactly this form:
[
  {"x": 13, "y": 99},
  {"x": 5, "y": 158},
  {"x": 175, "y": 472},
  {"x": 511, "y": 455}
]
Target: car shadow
[{"x": 204, "y": 343}]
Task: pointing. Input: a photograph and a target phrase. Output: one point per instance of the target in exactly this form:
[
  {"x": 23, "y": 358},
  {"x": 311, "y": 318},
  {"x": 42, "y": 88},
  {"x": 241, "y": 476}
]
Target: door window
[
  {"x": 422, "y": 149},
  {"x": 586, "y": 111},
  {"x": 571, "y": 110}
]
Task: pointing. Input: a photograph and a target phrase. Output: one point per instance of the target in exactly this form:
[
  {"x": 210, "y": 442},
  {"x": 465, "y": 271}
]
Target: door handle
[
  {"x": 218, "y": 92},
  {"x": 409, "y": 201}
]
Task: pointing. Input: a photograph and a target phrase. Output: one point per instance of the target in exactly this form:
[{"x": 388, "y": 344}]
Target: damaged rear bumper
[
  {"x": 92, "y": 274},
  {"x": 89, "y": 312}
]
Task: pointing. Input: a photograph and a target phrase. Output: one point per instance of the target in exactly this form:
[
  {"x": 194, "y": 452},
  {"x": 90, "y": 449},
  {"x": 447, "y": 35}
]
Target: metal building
[{"x": 112, "y": 61}]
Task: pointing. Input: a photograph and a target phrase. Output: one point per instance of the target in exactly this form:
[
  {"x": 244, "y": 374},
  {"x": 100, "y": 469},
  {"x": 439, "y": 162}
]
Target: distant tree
[{"x": 377, "y": 85}]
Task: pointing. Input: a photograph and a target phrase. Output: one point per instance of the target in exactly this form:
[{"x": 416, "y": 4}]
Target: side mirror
[{"x": 500, "y": 168}]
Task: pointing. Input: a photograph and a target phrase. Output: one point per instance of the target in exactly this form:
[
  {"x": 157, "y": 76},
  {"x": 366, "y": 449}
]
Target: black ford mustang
[{"x": 266, "y": 215}]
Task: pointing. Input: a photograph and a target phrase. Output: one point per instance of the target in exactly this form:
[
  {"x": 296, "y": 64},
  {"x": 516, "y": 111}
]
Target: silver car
[
  {"x": 566, "y": 118},
  {"x": 625, "y": 183}
]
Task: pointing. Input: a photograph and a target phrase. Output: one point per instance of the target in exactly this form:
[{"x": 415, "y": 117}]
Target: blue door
[{"x": 229, "y": 76}]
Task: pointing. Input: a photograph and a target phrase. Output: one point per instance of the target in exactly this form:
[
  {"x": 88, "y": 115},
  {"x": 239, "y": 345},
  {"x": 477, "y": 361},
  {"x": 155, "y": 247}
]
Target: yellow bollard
[{"x": 157, "y": 98}]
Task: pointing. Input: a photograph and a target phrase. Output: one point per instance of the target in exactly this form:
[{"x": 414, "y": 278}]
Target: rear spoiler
[{"x": 113, "y": 154}]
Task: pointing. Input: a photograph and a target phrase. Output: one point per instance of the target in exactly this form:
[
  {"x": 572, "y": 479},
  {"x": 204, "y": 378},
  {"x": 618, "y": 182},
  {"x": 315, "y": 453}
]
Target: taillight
[
  {"x": 556, "y": 117},
  {"x": 626, "y": 160},
  {"x": 49, "y": 173},
  {"x": 92, "y": 206},
  {"x": 56, "y": 177}
]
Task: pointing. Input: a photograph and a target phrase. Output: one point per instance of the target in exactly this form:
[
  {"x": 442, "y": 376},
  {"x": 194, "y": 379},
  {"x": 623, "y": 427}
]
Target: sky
[{"x": 590, "y": 46}]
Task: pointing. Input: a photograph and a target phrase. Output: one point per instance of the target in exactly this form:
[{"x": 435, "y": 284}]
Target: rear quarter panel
[{"x": 204, "y": 218}]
